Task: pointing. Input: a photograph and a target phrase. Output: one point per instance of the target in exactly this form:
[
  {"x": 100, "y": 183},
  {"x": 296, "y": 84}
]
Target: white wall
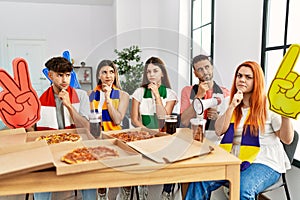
[
  {"x": 153, "y": 26},
  {"x": 237, "y": 35},
  {"x": 78, "y": 28}
]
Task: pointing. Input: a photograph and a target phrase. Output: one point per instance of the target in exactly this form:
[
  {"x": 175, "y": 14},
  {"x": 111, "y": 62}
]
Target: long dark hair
[{"x": 157, "y": 62}]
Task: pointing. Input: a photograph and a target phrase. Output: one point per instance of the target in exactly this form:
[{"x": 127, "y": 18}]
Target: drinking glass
[{"x": 171, "y": 124}]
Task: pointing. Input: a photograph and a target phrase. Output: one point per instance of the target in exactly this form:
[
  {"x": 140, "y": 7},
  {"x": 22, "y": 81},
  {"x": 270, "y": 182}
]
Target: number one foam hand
[{"x": 284, "y": 91}]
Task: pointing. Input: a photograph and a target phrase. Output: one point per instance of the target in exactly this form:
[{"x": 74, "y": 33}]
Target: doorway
[{"x": 33, "y": 51}]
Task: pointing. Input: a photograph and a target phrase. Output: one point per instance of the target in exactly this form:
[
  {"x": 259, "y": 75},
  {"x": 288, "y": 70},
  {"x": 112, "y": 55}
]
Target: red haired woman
[{"x": 252, "y": 133}]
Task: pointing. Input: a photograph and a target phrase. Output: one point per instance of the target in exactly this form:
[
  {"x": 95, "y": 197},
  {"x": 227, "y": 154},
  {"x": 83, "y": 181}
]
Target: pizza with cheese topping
[{"x": 60, "y": 137}]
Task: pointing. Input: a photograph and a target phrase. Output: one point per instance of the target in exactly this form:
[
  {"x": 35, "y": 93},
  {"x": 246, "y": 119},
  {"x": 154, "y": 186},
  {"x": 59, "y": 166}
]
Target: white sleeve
[
  {"x": 275, "y": 120},
  {"x": 138, "y": 94},
  {"x": 171, "y": 95},
  {"x": 84, "y": 109}
]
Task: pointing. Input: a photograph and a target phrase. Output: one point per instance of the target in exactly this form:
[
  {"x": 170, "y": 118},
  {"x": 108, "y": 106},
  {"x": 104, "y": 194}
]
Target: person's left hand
[
  {"x": 19, "y": 103},
  {"x": 212, "y": 113}
]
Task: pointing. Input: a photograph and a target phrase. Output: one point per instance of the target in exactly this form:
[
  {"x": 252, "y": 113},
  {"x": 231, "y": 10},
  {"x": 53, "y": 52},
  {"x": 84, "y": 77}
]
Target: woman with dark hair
[
  {"x": 110, "y": 102},
  {"x": 154, "y": 97},
  {"x": 251, "y": 132}
]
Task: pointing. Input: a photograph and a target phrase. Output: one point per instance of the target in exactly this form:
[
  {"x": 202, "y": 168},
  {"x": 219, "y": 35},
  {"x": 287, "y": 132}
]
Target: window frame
[{"x": 211, "y": 23}]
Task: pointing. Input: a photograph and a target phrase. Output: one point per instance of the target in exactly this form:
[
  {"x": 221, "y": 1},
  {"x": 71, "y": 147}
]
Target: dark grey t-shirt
[{"x": 59, "y": 112}]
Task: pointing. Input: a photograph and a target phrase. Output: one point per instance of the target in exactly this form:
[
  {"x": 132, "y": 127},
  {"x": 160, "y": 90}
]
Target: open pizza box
[
  {"x": 24, "y": 158},
  {"x": 127, "y": 156},
  {"x": 84, "y": 133},
  {"x": 154, "y": 132},
  {"x": 12, "y": 136},
  {"x": 172, "y": 148}
]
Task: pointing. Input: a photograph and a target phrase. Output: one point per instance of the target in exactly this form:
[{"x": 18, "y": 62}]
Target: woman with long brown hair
[
  {"x": 155, "y": 97},
  {"x": 110, "y": 101},
  {"x": 251, "y": 132}
]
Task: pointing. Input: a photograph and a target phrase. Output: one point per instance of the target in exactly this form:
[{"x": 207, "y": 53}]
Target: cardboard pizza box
[
  {"x": 12, "y": 136},
  {"x": 127, "y": 156},
  {"x": 155, "y": 132},
  {"x": 172, "y": 148},
  {"x": 84, "y": 133},
  {"x": 12, "y": 131},
  {"x": 24, "y": 158}
]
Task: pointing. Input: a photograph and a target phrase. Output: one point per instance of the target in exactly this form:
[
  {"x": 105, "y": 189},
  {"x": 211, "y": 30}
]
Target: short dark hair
[
  {"x": 200, "y": 58},
  {"x": 59, "y": 64}
]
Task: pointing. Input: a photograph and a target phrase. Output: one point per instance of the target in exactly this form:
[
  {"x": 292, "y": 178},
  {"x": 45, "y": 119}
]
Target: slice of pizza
[
  {"x": 87, "y": 154},
  {"x": 60, "y": 137},
  {"x": 130, "y": 136}
]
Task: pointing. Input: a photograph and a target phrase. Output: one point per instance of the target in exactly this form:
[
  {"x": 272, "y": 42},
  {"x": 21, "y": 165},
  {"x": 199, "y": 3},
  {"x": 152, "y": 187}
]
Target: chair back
[{"x": 290, "y": 149}]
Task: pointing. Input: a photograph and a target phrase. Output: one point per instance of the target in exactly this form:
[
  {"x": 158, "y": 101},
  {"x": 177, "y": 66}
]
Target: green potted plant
[{"x": 130, "y": 68}]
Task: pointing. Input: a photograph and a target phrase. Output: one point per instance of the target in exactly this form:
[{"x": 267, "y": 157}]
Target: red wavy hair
[{"x": 258, "y": 108}]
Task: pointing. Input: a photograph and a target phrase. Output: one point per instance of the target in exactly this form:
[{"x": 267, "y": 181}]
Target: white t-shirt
[
  {"x": 147, "y": 105},
  {"x": 271, "y": 151}
]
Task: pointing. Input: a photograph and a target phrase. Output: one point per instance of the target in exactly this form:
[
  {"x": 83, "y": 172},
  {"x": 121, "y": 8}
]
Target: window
[
  {"x": 280, "y": 30},
  {"x": 202, "y": 32}
]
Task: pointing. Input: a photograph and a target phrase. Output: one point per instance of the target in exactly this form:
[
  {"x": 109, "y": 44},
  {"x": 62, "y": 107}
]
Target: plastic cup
[
  {"x": 161, "y": 123},
  {"x": 95, "y": 124},
  {"x": 198, "y": 128}
]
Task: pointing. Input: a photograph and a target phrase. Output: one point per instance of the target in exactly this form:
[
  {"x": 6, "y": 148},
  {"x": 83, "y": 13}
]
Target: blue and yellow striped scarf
[
  {"x": 150, "y": 120},
  {"x": 249, "y": 145},
  {"x": 107, "y": 123}
]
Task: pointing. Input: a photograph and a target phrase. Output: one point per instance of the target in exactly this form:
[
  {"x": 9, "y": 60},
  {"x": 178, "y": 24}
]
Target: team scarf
[
  {"x": 48, "y": 119},
  {"x": 107, "y": 123},
  {"x": 149, "y": 118},
  {"x": 216, "y": 90},
  {"x": 249, "y": 147}
]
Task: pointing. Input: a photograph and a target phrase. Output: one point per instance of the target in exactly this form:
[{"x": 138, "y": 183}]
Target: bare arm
[
  {"x": 117, "y": 115},
  {"x": 164, "y": 110},
  {"x": 160, "y": 108},
  {"x": 189, "y": 113},
  {"x": 286, "y": 131},
  {"x": 135, "y": 114},
  {"x": 80, "y": 121},
  {"x": 223, "y": 121}
]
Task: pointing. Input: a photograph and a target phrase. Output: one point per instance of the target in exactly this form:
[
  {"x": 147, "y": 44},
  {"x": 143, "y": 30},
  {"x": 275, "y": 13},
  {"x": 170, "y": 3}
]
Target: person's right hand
[
  {"x": 107, "y": 90},
  {"x": 203, "y": 87},
  {"x": 237, "y": 98},
  {"x": 154, "y": 88}
]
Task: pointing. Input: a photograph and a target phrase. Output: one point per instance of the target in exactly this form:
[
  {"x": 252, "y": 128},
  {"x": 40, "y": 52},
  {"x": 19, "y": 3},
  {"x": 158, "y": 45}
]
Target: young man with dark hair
[
  {"x": 63, "y": 107},
  {"x": 205, "y": 89}
]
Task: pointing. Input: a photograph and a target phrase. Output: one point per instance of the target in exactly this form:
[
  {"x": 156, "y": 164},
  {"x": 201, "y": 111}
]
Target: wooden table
[{"x": 218, "y": 165}]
